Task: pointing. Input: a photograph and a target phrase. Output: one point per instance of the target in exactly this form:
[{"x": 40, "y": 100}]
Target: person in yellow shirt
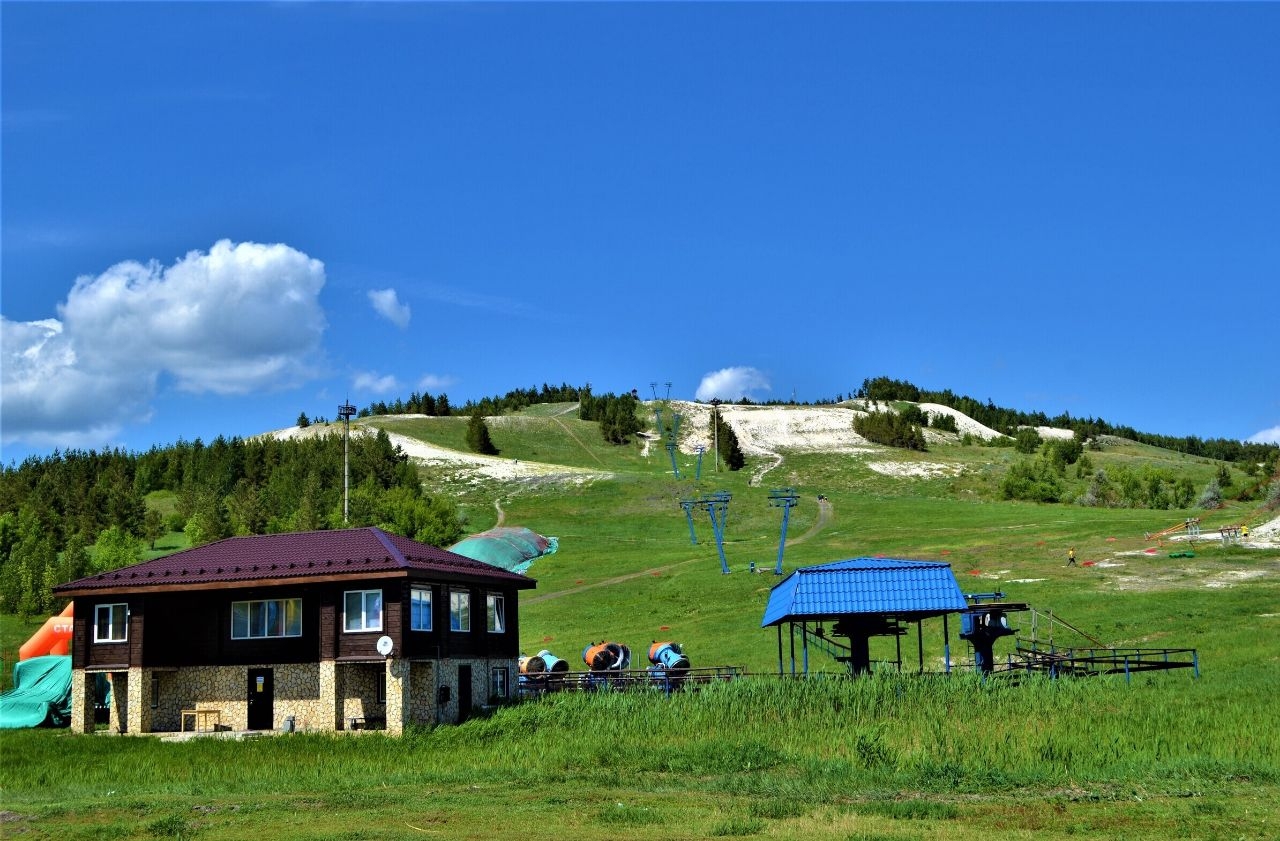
[{"x": 1071, "y": 556}]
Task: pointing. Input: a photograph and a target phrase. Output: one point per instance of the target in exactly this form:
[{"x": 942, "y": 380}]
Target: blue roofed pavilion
[
  {"x": 906, "y": 589},
  {"x": 860, "y": 598}
]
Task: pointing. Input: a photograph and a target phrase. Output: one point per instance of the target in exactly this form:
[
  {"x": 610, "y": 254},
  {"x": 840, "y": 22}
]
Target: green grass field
[{"x": 889, "y": 757}]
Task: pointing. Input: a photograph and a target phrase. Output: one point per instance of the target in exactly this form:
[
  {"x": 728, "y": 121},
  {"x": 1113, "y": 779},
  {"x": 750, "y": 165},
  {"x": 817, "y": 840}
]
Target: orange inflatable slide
[{"x": 54, "y": 637}]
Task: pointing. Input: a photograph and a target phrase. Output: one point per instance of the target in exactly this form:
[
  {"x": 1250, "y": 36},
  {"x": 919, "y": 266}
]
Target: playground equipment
[
  {"x": 786, "y": 499},
  {"x": 54, "y": 636},
  {"x": 717, "y": 506},
  {"x": 1190, "y": 525}
]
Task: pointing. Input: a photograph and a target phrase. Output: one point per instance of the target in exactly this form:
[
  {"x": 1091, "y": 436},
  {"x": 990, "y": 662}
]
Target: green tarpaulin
[
  {"x": 512, "y": 548},
  {"x": 41, "y": 693}
]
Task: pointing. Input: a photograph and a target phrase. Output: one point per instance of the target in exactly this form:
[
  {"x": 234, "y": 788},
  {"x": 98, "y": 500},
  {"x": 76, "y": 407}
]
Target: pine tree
[
  {"x": 730, "y": 452},
  {"x": 478, "y": 440}
]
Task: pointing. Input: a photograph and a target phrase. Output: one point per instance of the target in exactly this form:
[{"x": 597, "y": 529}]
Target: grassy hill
[
  {"x": 890, "y": 757},
  {"x": 626, "y": 569}
]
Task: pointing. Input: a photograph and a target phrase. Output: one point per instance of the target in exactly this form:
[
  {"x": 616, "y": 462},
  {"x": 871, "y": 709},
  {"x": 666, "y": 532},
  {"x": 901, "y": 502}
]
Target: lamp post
[{"x": 715, "y": 428}]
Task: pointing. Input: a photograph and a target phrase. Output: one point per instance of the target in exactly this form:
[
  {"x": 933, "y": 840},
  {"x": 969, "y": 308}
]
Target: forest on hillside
[
  {"x": 52, "y": 509},
  {"x": 1008, "y": 420},
  {"x": 78, "y": 512}
]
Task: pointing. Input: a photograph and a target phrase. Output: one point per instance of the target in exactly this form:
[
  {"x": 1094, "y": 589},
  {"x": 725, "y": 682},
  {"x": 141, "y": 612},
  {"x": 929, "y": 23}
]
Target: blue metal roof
[{"x": 886, "y": 586}]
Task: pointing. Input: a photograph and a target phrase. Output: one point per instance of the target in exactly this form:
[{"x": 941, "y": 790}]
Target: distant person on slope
[{"x": 1071, "y": 556}]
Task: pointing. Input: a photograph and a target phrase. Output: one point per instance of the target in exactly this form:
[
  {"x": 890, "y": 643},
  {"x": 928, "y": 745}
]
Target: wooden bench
[
  {"x": 360, "y": 722},
  {"x": 201, "y": 720}
]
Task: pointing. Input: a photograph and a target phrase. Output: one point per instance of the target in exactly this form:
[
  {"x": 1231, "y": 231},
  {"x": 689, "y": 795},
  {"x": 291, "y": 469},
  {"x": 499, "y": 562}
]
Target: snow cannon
[
  {"x": 606, "y": 656},
  {"x": 554, "y": 664},
  {"x": 534, "y": 665},
  {"x": 668, "y": 655}
]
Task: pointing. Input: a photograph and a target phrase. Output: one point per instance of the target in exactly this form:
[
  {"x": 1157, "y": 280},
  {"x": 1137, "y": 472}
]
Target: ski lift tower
[
  {"x": 688, "y": 505},
  {"x": 786, "y": 499},
  {"x": 698, "y": 475},
  {"x": 719, "y": 502},
  {"x": 671, "y": 443},
  {"x": 345, "y": 411},
  {"x": 717, "y": 506}
]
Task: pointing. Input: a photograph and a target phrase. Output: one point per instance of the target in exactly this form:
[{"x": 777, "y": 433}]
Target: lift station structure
[{"x": 837, "y": 608}]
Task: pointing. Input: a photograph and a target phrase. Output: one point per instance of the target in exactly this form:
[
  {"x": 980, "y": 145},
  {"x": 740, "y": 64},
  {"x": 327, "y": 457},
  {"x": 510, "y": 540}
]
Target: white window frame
[
  {"x": 290, "y": 629},
  {"x": 495, "y": 613},
  {"x": 111, "y": 610},
  {"x": 500, "y": 681},
  {"x": 460, "y": 611},
  {"x": 415, "y": 596},
  {"x": 366, "y": 625}
]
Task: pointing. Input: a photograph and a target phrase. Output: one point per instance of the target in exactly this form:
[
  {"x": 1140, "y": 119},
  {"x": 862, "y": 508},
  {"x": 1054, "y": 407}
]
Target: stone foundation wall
[
  {"x": 360, "y": 683},
  {"x": 319, "y": 696},
  {"x": 225, "y": 688}
]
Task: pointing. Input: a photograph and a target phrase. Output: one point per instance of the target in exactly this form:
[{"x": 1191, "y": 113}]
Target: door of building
[
  {"x": 464, "y": 693},
  {"x": 262, "y": 696}
]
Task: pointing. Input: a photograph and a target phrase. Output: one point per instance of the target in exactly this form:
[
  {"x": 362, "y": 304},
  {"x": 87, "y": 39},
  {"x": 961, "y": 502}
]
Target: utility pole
[
  {"x": 715, "y": 428},
  {"x": 345, "y": 411}
]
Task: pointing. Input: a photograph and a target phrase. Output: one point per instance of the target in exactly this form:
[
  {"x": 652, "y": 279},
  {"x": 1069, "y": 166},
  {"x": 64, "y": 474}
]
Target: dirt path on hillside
[
  {"x": 824, "y": 517},
  {"x": 502, "y": 515},
  {"x": 578, "y": 441},
  {"x": 608, "y": 582}
]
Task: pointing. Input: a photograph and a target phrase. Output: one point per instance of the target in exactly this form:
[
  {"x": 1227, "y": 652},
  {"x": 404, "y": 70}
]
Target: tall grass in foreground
[{"x": 812, "y": 739}]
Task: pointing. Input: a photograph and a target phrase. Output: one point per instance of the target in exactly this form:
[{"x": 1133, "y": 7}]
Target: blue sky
[{"x": 217, "y": 216}]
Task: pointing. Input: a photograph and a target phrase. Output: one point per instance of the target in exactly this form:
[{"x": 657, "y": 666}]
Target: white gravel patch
[
  {"x": 764, "y": 430},
  {"x": 1051, "y": 432},
  {"x": 918, "y": 469},
  {"x": 964, "y": 423},
  {"x": 1232, "y": 577},
  {"x": 472, "y": 464}
]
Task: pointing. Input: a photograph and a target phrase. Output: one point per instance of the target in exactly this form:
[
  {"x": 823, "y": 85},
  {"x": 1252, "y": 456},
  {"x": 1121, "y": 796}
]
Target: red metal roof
[{"x": 353, "y": 552}]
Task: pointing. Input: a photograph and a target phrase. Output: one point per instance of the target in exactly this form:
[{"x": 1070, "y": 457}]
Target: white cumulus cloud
[
  {"x": 433, "y": 382},
  {"x": 242, "y": 317},
  {"x": 731, "y": 384},
  {"x": 387, "y": 304},
  {"x": 374, "y": 383},
  {"x": 1266, "y": 436}
]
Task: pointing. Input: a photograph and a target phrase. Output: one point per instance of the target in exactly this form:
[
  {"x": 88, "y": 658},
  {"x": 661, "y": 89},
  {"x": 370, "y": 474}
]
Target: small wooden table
[{"x": 202, "y": 719}]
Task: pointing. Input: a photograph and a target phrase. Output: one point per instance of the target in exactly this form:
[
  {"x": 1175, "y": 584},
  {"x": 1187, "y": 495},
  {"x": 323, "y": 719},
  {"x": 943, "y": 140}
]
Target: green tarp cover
[
  {"x": 511, "y": 548},
  {"x": 41, "y": 693}
]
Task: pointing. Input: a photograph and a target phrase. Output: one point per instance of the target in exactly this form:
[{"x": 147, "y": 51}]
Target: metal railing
[{"x": 652, "y": 680}]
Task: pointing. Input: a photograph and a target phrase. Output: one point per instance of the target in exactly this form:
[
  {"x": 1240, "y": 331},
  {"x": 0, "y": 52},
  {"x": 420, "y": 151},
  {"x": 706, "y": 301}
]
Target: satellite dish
[{"x": 385, "y": 645}]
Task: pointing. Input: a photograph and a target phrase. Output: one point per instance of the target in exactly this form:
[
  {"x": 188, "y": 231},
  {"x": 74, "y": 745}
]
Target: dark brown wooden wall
[{"x": 194, "y": 628}]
